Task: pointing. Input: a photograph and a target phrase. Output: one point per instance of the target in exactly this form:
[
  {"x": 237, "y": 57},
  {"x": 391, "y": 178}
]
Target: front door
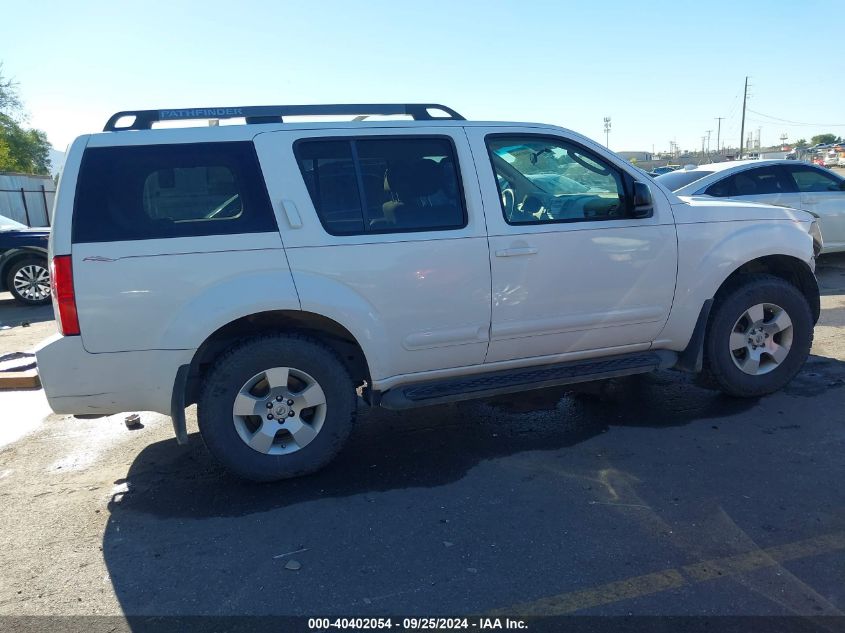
[
  {"x": 821, "y": 192},
  {"x": 571, "y": 269}
]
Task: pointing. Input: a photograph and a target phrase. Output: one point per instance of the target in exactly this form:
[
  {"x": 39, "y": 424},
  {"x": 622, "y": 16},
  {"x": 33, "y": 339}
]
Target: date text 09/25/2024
[{"x": 412, "y": 624}]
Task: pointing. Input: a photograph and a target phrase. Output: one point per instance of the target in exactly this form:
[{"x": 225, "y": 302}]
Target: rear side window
[
  {"x": 383, "y": 185},
  {"x": 159, "y": 191},
  {"x": 751, "y": 182},
  {"x": 676, "y": 179}
]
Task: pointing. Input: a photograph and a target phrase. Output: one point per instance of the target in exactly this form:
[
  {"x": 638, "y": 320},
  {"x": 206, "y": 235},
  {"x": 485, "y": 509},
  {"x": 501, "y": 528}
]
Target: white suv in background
[{"x": 265, "y": 271}]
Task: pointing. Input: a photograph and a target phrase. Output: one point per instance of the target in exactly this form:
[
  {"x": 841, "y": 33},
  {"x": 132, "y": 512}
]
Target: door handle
[
  {"x": 292, "y": 213},
  {"x": 516, "y": 252}
]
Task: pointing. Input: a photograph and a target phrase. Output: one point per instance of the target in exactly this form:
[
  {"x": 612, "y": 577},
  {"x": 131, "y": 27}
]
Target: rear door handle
[
  {"x": 292, "y": 213},
  {"x": 516, "y": 252}
]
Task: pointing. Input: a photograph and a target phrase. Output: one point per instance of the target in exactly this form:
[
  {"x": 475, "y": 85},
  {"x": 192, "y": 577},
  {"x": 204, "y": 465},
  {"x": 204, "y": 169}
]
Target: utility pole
[
  {"x": 607, "y": 132},
  {"x": 719, "y": 133},
  {"x": 708, "y": 142},
  {"x": 703, "y": 138},
  {"x": 742, "y": 129}
]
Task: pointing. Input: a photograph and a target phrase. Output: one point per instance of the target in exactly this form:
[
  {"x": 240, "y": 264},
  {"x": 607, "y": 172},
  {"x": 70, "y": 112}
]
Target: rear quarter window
[
  {"x": 160, "y": 191},
  {"x": 677, "y": 179}
]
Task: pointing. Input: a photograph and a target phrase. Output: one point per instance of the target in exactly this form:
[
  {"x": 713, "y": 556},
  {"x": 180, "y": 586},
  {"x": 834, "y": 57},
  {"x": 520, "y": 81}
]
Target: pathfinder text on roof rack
[{"x": 144, "y": 119}]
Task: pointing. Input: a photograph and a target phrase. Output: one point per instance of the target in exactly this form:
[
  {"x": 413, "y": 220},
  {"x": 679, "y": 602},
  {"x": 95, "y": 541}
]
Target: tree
[
  {"x": 823, "y": 138},
  {"x": 22, "y": 149},
  {"x": 801, "y": 142}
]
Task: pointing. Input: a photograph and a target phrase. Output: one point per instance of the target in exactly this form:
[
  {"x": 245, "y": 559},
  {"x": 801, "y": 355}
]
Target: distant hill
[{"x": 57, "y": 161}]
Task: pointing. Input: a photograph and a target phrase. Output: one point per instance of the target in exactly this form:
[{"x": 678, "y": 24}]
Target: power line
[{"x": 790, "y": 122}]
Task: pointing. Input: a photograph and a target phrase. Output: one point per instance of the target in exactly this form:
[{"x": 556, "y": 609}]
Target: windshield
[
  {"x": 678, "y": 179},
  {"x": 8, "y": 224}
]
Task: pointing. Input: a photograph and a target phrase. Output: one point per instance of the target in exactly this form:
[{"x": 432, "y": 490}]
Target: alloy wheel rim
[
  {"x": 279, "y": 411},
  {"x": 761, "y": 339},
  {"x": 32, "y": 282}
]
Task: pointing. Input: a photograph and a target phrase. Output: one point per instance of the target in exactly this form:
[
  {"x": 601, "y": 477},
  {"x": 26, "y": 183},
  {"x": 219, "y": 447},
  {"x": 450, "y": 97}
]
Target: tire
[
  {"x": 777, "y": 354},
  {"x": 28, "y": 279},
  {"x": 304, "y": 439}
]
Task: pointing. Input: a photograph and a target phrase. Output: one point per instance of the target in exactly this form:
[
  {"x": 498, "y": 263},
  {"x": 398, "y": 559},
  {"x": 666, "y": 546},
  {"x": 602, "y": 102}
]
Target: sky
[{"x": 661, "y": 70}]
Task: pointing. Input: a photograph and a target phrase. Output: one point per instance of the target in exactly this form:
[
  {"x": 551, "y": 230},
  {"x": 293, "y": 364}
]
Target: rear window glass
[
  {"x": 160, "y": 191},
  {"x": 677, "y": 179},
  {"x": 383, "y": 185}
]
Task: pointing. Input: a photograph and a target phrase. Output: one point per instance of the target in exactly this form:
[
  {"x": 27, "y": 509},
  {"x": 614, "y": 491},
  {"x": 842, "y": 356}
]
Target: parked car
[
  {"x": 665, "y": 169},
  {"x": 785, "y": 183},
  {"x": 831, "y": 159},
  {"x": 23, "y": 262},
  {"x": 419, "y": 262}
]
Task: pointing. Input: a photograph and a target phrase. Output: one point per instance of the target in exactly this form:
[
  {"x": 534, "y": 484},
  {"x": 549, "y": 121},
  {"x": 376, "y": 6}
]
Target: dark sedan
[{"x": 23, "y": 262}]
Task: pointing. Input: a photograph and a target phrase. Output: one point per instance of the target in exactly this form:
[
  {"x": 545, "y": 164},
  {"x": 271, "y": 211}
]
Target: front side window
[
  {"x": 810, "y": 179},
  {"x": 383, "y": 185},
  {"x": 751, "y": 182},
  {"x": 159, "y": 191},
  {"x": 544, "y": 180}
]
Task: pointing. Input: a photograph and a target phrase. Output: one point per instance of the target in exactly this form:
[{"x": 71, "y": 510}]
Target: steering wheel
[{"x": 508, "y": 202}]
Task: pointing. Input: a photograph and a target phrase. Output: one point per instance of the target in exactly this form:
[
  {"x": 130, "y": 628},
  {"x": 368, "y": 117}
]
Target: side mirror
[{"x": 643, "y": 206}]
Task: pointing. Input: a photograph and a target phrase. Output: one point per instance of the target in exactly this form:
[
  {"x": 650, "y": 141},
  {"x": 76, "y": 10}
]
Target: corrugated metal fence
[{"x": 27, "y": 198}]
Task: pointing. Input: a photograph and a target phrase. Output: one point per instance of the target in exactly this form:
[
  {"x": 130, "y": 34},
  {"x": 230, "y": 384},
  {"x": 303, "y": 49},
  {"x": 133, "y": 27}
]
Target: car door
[
  {"x": 822, "y": 193},
  {"x": 571, "y": 269},
  {"x": 384, "y": 232},
  {"x": 766, "y": 184}
]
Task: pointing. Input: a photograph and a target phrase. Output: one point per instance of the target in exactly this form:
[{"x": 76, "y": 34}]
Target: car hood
[{"x": 693, "y": 209}]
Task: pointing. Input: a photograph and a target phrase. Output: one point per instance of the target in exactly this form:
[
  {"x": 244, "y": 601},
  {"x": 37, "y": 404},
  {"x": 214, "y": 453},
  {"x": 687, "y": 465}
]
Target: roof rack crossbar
[{"x": 144, "y": 119}]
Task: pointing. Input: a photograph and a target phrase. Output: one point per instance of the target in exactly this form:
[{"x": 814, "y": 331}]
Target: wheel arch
[
  {"x": 790, "y": 269},
  {"x": 331, "y": 333}
]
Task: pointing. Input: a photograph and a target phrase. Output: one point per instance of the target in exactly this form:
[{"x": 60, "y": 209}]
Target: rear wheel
[
  {"x": 28, "y": 280},
  {"x": 274, "y": 407},
  {"x": 759, "y": 335}
]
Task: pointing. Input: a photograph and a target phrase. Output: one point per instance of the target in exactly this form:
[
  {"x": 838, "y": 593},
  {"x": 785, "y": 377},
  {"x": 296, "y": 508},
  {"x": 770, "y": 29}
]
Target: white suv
[{"x": 265, "y": 271}]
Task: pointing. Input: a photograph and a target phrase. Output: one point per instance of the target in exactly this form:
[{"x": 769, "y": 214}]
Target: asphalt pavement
[{"x": 646, "y": 495}]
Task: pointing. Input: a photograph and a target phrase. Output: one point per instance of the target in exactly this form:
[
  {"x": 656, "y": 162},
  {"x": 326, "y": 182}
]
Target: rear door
[{"x": 385, "y": 234}]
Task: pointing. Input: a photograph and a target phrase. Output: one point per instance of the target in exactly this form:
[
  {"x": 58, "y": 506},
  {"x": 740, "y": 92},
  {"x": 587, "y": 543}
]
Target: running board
[{"x": 523, "y": 379}]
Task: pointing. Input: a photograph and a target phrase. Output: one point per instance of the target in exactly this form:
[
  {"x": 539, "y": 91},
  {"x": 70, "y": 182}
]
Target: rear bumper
[{"x": 78, "y": 382}]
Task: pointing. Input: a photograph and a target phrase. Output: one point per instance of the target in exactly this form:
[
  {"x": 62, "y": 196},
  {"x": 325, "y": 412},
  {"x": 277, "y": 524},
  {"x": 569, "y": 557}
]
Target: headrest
[
  {"x": 413, "y": 179},
  {"x": 744, "y": 185}
]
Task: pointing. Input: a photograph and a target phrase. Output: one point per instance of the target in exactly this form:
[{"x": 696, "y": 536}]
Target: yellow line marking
[{"x": 673, "y": 578}]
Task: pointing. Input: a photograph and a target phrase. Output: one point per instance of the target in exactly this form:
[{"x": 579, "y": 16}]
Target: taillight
[{"x": 61, "y": 283}]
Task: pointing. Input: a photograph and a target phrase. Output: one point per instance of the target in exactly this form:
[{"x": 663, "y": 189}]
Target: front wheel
[
  {"x": 758, "y": 337},
  {"x": 29, "y": 281},
  {"x": 276, "y": 406}
]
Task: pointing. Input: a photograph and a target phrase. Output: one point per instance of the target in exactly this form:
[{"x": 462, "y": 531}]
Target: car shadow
[
  {"x": 434, "y": 446},
  {"x": 179, "y": 513},
  {"x": 830, "y": 272}
]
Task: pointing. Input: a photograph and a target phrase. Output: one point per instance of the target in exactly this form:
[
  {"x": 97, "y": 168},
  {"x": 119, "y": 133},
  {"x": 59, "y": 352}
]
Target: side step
[{"x": 513, "y": 380}]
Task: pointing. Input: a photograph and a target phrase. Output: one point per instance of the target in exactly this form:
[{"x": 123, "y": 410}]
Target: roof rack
[{"x": 144, "y": 119}]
